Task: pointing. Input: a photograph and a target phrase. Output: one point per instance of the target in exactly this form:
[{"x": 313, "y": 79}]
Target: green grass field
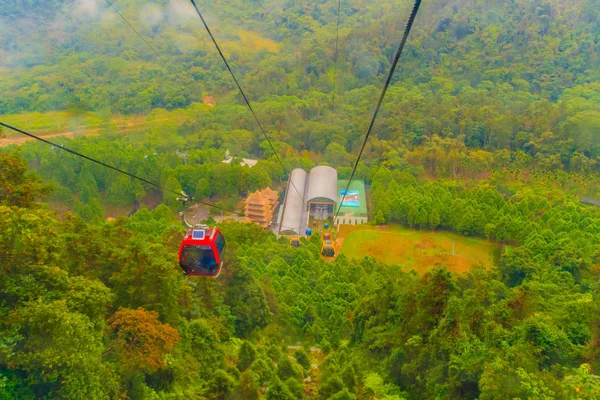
[
  {"x": 418, "y": 250},
  {"x": 69, "y": 124}
]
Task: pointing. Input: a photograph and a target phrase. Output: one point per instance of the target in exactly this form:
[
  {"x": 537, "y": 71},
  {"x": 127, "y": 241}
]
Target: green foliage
[
  {"x": 580, "y": 382},
  {"x": 343, "y": 395},
  {"x": 451, "y": 330},
  {"x": 507, "y": 87},
  {"x": 69, "y": 365},
  {"x": 121, "y": 192},
  {"x": 204, "y": 345},
  {"x": 17, "y": 187},
  {"x": 379, "y": 218},
  {"x": 331, "y": 386},
  {"x": 221, "y": 384},
  {"x": 466, "y": 107},
  {"x": 273, "y": 352},
  {"x": 287, "y": 368},
  {"x": 279, "y": 391},
  {"x": 247, "y": 389},
  {"x": 248, "y": 303},
  {"x": 246, "y": 356},
  {"x": 552, "y": 343},
  {"x": 542, "y": 222},
  {"x": 264, "y": 369},
  {"x": 302, "y": 358},
  {"x": 92, "y": 211},
  {"x": 295, "y": 386},
  {"x": 374, "y": 385},
  {"x": 349, "y": 377}
]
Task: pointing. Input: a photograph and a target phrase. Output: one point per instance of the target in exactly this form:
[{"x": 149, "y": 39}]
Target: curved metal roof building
[
  {"x": 294, "y": 204},
  {"x": 322, "y": 184}
]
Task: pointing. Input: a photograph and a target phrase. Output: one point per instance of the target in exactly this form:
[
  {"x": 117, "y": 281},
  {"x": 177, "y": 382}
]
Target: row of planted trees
[{"x": 550, "y": 224}]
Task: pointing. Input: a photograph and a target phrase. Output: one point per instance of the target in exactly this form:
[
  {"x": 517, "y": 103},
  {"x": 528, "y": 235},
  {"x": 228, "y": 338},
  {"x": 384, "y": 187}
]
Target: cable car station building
[
  {"x": 321, "y": 194},
  {"x": 316, "y": 196}
]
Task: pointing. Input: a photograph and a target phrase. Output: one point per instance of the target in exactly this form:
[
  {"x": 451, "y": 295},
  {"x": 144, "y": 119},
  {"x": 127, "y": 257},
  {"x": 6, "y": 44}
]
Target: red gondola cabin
[{"x": 201, "y": 252}]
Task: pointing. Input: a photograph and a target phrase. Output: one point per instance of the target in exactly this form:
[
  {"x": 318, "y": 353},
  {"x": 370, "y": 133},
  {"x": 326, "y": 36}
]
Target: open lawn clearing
[
  {"x": 418, "y": 250},
  {"x": 61, "y": 123}
]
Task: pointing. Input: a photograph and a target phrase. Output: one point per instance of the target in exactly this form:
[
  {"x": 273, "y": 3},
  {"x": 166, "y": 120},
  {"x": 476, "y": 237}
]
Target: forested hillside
[
  {"x": 491, "y": 128},
  {"x": 102, "y": 310},
  {"x": 482, "y": 85}
]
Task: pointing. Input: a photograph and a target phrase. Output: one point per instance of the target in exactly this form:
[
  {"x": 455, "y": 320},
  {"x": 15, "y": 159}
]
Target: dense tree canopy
[
  {"x": 489, "y": 129},
  {"x": 102, "y": 310}
]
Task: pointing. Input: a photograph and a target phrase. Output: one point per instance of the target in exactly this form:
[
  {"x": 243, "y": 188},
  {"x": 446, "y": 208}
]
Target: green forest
[{"x": 490, "y": 129}]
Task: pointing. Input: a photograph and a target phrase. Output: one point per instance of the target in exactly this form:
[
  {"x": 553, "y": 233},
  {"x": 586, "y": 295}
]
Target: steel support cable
[
  {"x": 335, "y": 58},
  {"x": 409, "y": 25},
  {"x": 31, "y": 135},
  {"x": 169, "y": 67},
  {"x": 245, "y": 98}
]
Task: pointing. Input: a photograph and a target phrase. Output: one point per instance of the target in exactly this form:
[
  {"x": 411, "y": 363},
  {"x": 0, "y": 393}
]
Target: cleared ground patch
[
  {"x": 418, "y": 250},
  {"x": 53, "y": 124},
  {"x": 59, "y": 123},
  {"x": 250, "y": 42}
]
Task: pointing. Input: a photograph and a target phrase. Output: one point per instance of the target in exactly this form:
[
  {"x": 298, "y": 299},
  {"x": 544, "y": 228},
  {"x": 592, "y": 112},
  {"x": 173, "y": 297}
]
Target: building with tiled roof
[{"x": 260, "y": 206}]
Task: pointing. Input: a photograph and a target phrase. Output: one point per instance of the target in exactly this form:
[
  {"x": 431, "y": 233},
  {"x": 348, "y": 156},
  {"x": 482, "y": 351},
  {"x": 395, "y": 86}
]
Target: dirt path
[
  {"x": 312, "y": 348},
  {"x": 20, "y": 140},
  {"x": 122, "y": 126}
]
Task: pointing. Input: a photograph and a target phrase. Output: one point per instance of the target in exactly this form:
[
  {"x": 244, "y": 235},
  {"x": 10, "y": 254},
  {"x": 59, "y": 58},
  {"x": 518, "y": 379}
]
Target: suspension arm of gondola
[{"x": 187, "y": 224}]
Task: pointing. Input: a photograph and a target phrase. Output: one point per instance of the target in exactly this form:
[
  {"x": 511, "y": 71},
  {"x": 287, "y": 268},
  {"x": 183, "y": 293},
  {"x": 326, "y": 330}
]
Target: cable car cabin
[
  {"x": 327, "y": 250},
  {"x": 308, "y": 231},
  {"x": 295, "y": 241},
  {"x": 326, "y": 236},
  {"x": 201, "y": 252}
]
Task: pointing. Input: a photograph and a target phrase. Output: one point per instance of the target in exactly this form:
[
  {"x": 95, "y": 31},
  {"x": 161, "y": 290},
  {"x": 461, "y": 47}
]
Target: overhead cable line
[
  {"x": 167, "y": 65},
  {"x": 31, "y": 135},
  {"x": 335, "y": 58},
  {"x": 409, "y": 25},
  {"x": 60, "y": 147},
  {"x": 245, "y": 98},
  {"x": 228, "y": 68}
]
